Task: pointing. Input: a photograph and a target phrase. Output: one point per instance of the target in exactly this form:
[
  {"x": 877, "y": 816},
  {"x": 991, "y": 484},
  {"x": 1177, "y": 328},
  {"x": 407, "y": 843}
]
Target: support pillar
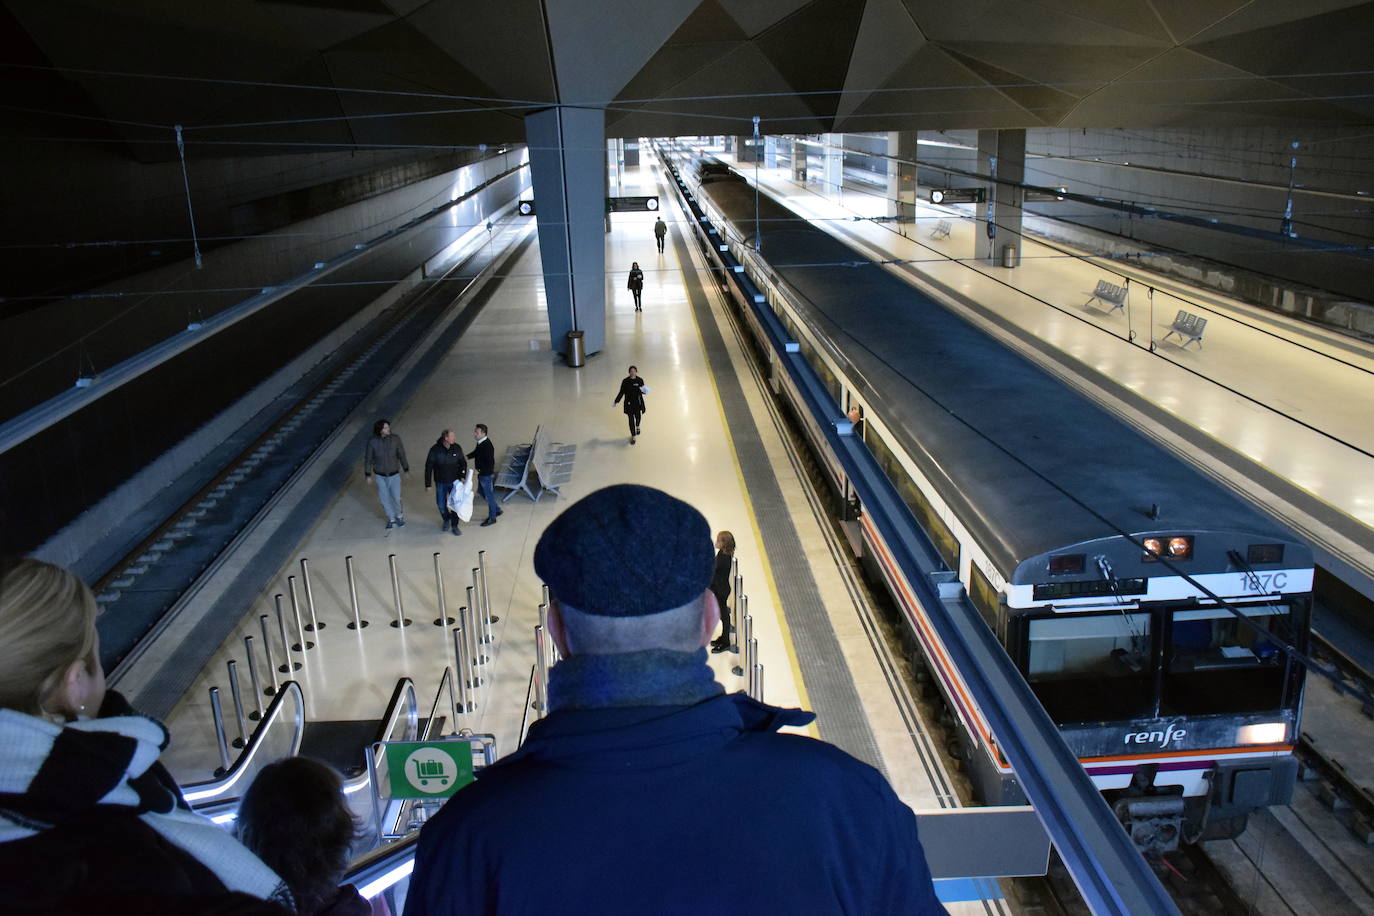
[
  {"x": 799, "y": 162},
  {"x": 770, "y": 152},
  {"x": 901, "y": 176},
  {"x": 832, "y": 159},
  {"x": 746, "y": 152},
  {"x": 567, "y": 163},
  {"x": 1002, "y": 157}
]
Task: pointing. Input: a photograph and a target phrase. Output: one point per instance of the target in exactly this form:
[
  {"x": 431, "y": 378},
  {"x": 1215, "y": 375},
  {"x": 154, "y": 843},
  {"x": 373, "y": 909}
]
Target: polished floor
[{"x": 503, "y": 373}]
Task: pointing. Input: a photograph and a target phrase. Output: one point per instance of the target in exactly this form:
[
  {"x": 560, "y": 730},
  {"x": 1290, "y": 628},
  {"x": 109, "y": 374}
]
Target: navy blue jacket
[{"x": 668, "y": 810}]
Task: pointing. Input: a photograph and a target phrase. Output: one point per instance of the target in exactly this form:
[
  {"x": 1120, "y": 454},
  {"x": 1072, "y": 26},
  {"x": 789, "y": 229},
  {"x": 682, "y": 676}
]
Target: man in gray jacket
[{"x": 385, "y": 456}]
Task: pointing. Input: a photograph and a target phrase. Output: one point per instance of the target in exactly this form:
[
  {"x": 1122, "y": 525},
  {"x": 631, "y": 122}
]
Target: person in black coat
[
  {"x": 484, "y": 457},
  {"x": 443, "y": 465},
  {"x": 636, "y": 284},
  {"x": 720, "y": 587},
  {"x": 632, "y": 390}
]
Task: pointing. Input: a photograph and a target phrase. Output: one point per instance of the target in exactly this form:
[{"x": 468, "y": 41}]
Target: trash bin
[
  {"x": 1009, "y": 257},
  {"x": 576, "y": 353}
]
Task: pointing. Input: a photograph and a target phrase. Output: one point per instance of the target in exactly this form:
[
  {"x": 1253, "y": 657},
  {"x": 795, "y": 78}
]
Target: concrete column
[
  {"x": 567, "y": 163},
  {"x": 747, "y": 151},
  {"x": 832, "y": 156},
  {"x": 901, "y": 176},
  {"x": 770, "y": 152},
  {"x": 799, "y": 162},
  {"x": 1001, "y": 156},
  {"x": 631, "y": 152}
]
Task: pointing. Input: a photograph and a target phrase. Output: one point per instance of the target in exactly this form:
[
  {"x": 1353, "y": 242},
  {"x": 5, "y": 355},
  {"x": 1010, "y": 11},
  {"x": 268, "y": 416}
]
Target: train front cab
[{"x": 1184, "y": 715}]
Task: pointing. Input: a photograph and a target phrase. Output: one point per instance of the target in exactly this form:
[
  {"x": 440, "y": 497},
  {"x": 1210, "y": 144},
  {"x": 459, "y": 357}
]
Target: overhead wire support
[{"x": 186, "y": 181}]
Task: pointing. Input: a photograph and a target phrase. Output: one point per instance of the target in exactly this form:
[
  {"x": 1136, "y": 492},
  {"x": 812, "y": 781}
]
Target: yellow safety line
[{"x": 758, "y": 534}]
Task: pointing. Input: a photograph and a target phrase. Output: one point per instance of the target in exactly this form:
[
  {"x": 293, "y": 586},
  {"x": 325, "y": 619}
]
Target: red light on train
[{"x": 1174, "y": 546}]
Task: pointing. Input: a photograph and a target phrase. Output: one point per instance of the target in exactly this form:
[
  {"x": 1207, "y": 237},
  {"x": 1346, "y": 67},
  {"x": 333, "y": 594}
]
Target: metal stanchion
[
  {"x": 467, "y": 624},
  {"x": 546, "y": 594},
  {"x": 475, "y": 602},
  {"x": 482, "y": 588},
  {"x": 358, "y": 623},
  {"x": 287, "y": 666},
  {"x": 256, "y": 714},
  {"x": 479, "y": 634},
  {"x": 544, "y": 625},
  {"x": 401, "y": 619},
  {"x": 443, "y": 620},
  {"x": 738, "y": 581},
  {"x": 271, "y": 665},
  {"x": 541, "y": 673},
  {"x": 219, "y": 732},
  {"x": 449, "y": 676},
  {"x": 758, "y": 682},
  {"x": 237, "y": 697},
  {"x": 314, "y": 626},
  {"x": 296, "y": 613},
  {"x": 464, "y": 664},
  {"x": 747, "y": 625}
]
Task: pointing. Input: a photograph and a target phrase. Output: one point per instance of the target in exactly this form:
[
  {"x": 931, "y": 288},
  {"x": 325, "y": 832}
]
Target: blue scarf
[{"x": 652, "y": 677}]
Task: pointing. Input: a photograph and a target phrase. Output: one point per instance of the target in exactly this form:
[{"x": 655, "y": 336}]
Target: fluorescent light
[{"x": 1264, "y": 733}]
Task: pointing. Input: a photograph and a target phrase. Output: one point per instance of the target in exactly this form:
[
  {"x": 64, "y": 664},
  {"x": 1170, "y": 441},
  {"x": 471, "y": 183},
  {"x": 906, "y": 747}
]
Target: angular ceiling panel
[
  {"x": 1136, "y": 16},
  {"x": 1186, "y": 18},
  {"x": 886, "y": 42},
  {"x": 1011, "y": 22},
  {"x": 1077, "y": 72},
  {"x": 754, "y": 16},
  {"x": 1041, "y": 102},
  {"x": 503, "y": 42}
]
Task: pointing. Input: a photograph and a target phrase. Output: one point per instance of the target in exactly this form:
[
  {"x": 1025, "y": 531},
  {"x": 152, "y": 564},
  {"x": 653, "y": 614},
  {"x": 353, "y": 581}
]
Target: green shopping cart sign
[{"x": 427, "y": 769}]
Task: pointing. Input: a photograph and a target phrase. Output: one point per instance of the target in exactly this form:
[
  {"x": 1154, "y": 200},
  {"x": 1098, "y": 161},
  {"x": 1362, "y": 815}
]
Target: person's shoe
[
  {"x": 456, "y": 532},
  {"x": 490, "y": 521},
  {"x": 500, "y": 512},
  {"x": 391, "y": 523},
  {"x": 445, "y": 528},
  {"x": 717, "y": 648},
  {"x": 400, "y": 522},
  {"x": 632, "y": 440}
]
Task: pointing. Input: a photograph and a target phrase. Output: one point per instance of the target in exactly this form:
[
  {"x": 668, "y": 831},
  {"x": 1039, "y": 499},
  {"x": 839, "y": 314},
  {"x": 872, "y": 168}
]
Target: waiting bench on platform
[
  {"x": 553, "y": 464},
  {"x": 1188, "y": 327},
  {"x": 1110, "y": 293},
  {"x": 941, "y": 230},
  {"x": 513, "y": 473}
]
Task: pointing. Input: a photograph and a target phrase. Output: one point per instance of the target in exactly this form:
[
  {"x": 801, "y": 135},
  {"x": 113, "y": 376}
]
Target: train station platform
[{"x": 710, "y": 436}]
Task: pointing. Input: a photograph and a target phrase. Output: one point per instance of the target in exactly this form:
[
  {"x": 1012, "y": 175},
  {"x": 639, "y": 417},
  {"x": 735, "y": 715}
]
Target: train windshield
[
  {"x": 1216, "y": 663},
  {"x": 1090, "y": 667}
]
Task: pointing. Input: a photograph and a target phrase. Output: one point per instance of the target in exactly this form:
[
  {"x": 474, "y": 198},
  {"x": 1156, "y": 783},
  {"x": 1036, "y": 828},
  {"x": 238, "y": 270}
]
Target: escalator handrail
[
  {"x": 403, "y": 702},
  {"x": 211, "y": 791}
]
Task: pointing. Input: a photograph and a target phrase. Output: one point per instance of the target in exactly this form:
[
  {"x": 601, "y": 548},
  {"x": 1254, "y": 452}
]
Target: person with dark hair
[
  {"x": 632, "y": 390},
  {"x": 626, "y": 776},
  {"x": 443, "y": 465},
  {"x": 295, "y": 817},
  {"x": 90, "y": 821},
  {"x": 385, "y": 456},
  {"x": 636, "y": 284},
  {"x": 660, "y": 233},
  {"x": 720, "y": 587},
  {"x": 484, "y": 457}
]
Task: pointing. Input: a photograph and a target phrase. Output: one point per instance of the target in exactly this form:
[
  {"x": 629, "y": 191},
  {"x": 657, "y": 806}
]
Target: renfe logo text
[{"x": 1162, "y": 738}]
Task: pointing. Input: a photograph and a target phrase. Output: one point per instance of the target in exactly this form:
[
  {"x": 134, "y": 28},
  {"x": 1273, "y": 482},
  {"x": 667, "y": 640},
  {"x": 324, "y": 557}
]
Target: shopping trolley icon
[{"x": 425, "y": 770}]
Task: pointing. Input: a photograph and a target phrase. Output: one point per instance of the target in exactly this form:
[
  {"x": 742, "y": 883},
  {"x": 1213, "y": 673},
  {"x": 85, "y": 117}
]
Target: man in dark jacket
[
  {"x": 385, "y": 456},
  {"x": 660, "y": 232},
  {"x": 614, "y": 802},
  {"x": 443, "y": 465},
  {"x": 484, "y": 457}
]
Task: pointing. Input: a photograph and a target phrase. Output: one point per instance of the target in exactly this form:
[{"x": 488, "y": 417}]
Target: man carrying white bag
[{"x": 460, "y": 497}]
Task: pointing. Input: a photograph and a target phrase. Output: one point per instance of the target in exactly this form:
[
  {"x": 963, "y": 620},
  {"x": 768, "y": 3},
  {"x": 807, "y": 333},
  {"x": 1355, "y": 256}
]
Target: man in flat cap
[{"x": 625, "y": 798}]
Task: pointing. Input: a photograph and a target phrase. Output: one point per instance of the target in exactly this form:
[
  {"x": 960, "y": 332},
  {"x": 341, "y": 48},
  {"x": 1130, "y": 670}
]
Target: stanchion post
[
  {"x": 296, "y": 613},
  {"x": 541, "y": 673},
  {"x": 271, "y": 665},
  {"x": 450, "y": 675},
  {"x": 479, "y": 635},
  {"x": 737, "y": 592},
  {"x": 747, "y": 625},
  {"x": 475, "y": 602},
  {"x": 546, "y": 658},
  {"x": 287, "y": 666},
  {"x": 218, "y": 715},
  {"x": 237, "y": 697},
  {"x": 758, "y": 681},
  {"x": 401, "y": 619},
  {"x": 443, "y": 620},
  {"x": 469, "y": 627},
  {"x": 256, "y": 714},
  {"x": 314, "y": 626},
  {"x": 482, "y": 588},
  {"x": 358, "y": 622},
  {"x": 464, "y": 675}
]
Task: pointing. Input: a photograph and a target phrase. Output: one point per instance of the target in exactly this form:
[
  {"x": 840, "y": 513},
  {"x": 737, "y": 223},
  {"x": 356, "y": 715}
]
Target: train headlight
[
  {"x": 1172, "y": 546},
  {"x": 1263, "y": 733}
]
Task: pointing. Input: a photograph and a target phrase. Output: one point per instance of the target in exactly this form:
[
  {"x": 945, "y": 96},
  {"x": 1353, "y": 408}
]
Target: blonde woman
[
  {"x": 89, "y": 820},
  {"x": 720, "y": 587}
]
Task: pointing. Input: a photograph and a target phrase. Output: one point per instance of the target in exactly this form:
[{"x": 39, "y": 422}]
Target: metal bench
[
  {"x": 941, "y": 230},
  {"x": 1110, "y": 293},
  {"x": 513, "y": 473},
  {"x": 1188, "y": 327},
  {"x": 553, "y": 465}
]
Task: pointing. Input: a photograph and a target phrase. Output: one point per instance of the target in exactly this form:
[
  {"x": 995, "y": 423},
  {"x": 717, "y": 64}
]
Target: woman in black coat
[
  {"x": 633, "y": 389},
  {"x": 720, "y": 587},
  {"x": 636, "y": 284}
]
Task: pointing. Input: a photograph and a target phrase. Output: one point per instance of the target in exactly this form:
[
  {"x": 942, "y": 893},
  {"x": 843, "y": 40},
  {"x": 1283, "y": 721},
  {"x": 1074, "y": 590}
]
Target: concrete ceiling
[{"x": 272, "y": 74}]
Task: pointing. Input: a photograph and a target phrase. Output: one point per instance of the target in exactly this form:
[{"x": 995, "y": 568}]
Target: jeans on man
[
  {"x": 389, "y": 492},
  {"x": 487, "y": 483},
  {"x": 442, "y": 489}
]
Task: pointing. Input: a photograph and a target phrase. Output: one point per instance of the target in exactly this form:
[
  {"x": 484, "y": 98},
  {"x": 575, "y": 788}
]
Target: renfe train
[{"x": 1151, "y": 610}]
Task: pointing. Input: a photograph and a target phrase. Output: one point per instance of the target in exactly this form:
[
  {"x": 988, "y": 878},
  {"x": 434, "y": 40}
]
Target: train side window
[
  {"x": 985, "y": 598},
  {"x": 1217, "y": 664},
  {"x": 1069, "y": 657},
  {"x": 935, "y": 528}
]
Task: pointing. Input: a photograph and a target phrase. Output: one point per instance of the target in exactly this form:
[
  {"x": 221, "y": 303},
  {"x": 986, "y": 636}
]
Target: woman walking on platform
[
  {"x": 720, "y": 587},
  {"x": 636, "y": 284},
  {"x": 633, "y": 389}
]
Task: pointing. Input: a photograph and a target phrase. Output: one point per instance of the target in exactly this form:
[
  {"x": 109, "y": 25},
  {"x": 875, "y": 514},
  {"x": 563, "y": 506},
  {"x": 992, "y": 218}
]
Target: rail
[{"x": 289, "y": 701}]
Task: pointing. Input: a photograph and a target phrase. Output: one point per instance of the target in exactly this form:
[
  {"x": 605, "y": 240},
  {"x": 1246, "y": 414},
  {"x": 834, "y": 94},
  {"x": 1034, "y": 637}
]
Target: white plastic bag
[{"x": 460, "y": 497}]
